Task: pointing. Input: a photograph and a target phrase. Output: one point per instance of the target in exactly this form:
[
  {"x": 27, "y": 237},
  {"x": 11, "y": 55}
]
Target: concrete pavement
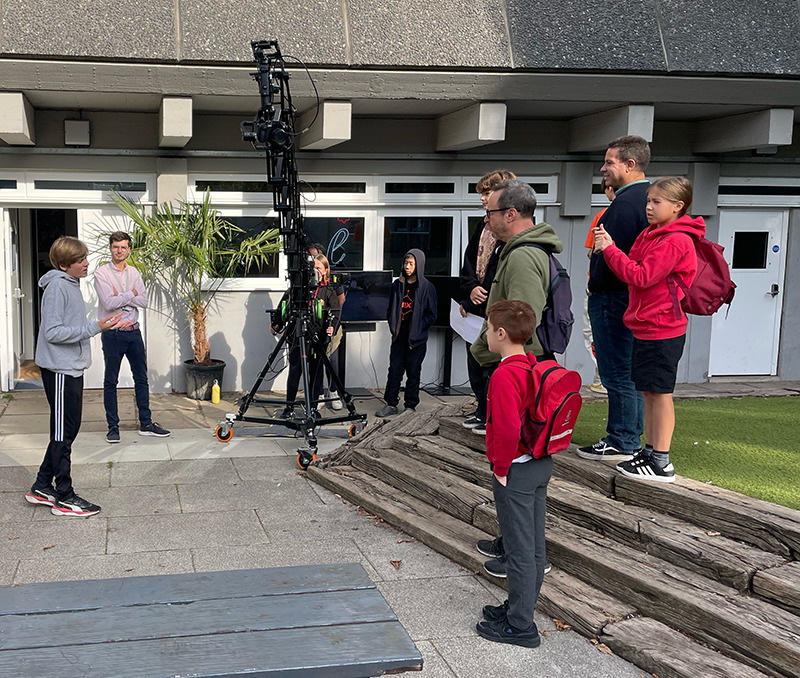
[{"x": 189, "y": 503}]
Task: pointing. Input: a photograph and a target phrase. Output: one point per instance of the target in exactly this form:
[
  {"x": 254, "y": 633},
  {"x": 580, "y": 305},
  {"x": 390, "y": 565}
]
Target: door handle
[
  {"x": 18, "y": 293},
  {"x": 773, "y": 290}
]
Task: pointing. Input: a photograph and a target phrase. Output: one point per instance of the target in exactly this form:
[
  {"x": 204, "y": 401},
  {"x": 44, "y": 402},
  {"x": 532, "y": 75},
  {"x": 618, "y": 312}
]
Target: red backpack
[
  {"x": 548, "y": 422},
  {"x": 712, "y": 285}
]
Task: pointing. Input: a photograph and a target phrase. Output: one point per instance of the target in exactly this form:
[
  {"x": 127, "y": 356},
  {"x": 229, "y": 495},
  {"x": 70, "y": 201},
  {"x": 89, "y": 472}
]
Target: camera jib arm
[{"x": 299, "y": 316}]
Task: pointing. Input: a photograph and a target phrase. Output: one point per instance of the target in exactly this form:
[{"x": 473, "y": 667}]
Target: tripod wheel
[
  {"x": 304, "y": 459},
  {"x": 224, "y": 433},
  {"x": 355, "y": 429}
]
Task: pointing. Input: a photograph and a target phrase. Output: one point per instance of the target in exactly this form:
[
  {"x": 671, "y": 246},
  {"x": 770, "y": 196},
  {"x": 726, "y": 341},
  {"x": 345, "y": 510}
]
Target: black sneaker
[
  {"x": 112, "y": 436},
  {"x": 602, "y": 450},
  {"x": 386, "y": 411},
  {"x": 496, "y": 567},
  {"x": 495, "y": 612},
  {"x": 644, "y": 468},
  {"x": 46, "y": 496},
  {"x": 501, "y": 631},
  {"x": 472, "y": 421},
  {"x": 153, "y": 429},
  {"x": 288, "y": 413},
  {"x": 491, "y": 547},
  {"x": 480, "y": 429},
  {"x": 74, "y": 506}
]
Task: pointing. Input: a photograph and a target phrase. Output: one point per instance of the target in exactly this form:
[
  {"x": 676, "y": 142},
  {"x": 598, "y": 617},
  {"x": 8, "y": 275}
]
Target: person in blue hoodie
[
  {"x": 412, "y": 310},
  {"x": 63, "y": 353}
]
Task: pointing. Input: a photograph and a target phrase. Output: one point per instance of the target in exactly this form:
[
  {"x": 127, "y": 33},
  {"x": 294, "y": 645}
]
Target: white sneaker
[
  {"x": 597, "y": 387},
  {"x": 336, "y": 404}
]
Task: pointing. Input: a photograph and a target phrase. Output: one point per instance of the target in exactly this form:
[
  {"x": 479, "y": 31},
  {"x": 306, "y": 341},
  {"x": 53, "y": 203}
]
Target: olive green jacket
[{"x": 523, "y": 273}]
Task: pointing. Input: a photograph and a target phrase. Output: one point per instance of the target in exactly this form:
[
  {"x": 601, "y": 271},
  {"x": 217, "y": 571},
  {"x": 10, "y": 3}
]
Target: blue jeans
[
  {"x": 613, "y": 344},
  {"x": 117, "y": 344}
]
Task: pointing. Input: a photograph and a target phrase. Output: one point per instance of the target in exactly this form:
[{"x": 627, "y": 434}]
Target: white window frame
[
  {"x": 27, "y": 192},
  {"x": 423, "y": 211},
  {"x": 759, "y": 200}
]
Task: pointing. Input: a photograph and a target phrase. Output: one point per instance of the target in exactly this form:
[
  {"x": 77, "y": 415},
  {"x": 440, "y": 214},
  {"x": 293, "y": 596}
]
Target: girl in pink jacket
[{"x": 661, "y": 253}]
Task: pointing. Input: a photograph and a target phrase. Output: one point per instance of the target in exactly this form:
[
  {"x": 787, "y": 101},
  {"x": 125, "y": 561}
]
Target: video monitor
[{"x": 366, "y": 296}]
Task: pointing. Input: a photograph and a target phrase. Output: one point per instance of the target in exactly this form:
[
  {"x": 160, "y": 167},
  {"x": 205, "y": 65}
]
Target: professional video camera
[{"x": 300, "y": 319}]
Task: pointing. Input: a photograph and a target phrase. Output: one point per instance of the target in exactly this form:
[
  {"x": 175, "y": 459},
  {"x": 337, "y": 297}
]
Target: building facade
[{"x": 415, "y": 102}]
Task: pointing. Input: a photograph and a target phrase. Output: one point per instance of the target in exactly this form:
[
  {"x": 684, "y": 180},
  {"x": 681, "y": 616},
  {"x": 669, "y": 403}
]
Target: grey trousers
[{"x": 521, "y": 507}]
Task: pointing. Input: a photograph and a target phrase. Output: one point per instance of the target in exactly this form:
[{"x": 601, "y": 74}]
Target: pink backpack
[
  {"x": 548, "y": 422},
  {"x": 711, "y": 287}
]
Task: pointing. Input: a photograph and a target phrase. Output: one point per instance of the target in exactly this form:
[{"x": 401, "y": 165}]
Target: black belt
[{"x": 130, "y": 328}]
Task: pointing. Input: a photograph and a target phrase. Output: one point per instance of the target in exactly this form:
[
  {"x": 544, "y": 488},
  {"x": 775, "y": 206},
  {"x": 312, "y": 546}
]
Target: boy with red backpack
[
  {"x": 519, "y": 480},
  {"x": 661, "y": 265}
]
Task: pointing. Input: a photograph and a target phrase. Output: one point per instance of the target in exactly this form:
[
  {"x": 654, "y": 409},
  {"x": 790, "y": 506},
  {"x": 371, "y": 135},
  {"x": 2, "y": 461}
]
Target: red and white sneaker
[
  {"x": 46, "y": 496},
  {"x": 74, "y": 506}
]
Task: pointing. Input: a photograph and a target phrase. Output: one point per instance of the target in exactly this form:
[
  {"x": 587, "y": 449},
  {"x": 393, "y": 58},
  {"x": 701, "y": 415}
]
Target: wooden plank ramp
[
  {"x": 650, "y": 579},
  {"x": 217, "y": 624}
]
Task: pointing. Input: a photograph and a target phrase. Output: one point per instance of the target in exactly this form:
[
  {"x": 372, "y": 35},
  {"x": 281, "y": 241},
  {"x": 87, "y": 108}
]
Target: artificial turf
[{"x": 750, "y": 445}]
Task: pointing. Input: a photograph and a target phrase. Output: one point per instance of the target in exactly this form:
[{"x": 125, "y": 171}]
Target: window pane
[
  {"x": 253, "y": 226},
  {"x": 8, "y": 183},
  {"x": 432, "y": 235},
  {"x": 342, "y": 239},
  {"x": 473, "y": 224},
  {"x": 420, "y": 187},
  {"x": 119, "y": 186},
  {"x": 750, "y": 249}
]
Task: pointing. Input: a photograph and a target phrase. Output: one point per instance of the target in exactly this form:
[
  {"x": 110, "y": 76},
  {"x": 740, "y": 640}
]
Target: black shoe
[
  {"x": 491, "y": 547},
  {"x": 496, "y": 567},
  {"x": 602, "y": 450},
  {"x": 46, "y": 496},
  {"x": 74, "y": 506},
  {"x": 480, "y": 429},
  {"x": 472, "y": 421},
  {"x": 112, "y": 436},
  {"x": 153, "y": 429},
  {"x": 386, "y": 411},
  {"x": 644, "y": 468},
  {"x": 502, "y": 632},
  {"x": 495, "y": 612},
  {"x": 288, "y": 413}
]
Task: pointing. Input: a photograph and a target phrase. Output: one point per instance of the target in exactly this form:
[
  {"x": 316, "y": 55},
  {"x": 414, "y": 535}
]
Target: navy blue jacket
[
  {"x": 624, "y": 220},
  {"x": 425, "y": 303}
]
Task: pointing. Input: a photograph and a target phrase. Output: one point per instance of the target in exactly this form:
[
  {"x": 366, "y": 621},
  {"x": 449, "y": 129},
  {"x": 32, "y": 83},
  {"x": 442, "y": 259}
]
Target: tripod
[{"x": 299, "y": 316}]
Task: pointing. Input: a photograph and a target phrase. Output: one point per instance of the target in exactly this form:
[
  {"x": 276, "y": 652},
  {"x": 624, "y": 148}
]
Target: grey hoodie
[{"x": 64, "y": 332}]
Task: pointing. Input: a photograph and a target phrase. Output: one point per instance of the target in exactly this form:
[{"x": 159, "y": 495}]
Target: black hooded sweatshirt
[{"x": 425, "y": 303}]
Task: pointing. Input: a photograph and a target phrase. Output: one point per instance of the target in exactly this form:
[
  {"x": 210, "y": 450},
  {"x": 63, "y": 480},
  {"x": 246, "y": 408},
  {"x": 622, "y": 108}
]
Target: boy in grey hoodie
[{"x": 63, "y": 353}]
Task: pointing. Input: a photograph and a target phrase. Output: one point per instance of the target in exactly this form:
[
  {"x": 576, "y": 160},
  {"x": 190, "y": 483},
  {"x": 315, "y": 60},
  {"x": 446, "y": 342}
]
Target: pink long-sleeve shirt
[{"x": 108, "y": 278}]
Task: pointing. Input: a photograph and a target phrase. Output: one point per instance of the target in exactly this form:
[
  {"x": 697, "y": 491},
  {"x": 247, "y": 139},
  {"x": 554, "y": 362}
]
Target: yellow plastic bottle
[{"x": 215, "y": 392}]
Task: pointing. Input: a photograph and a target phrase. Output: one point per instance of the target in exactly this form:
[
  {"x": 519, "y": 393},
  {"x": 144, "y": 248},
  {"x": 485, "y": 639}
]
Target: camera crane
[{"x": 299, "y": 316}]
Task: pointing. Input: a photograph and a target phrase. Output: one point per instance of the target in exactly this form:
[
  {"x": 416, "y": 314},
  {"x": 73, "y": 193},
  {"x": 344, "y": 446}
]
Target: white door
[
  {"x": 746, "y": 341},
  {"x": 10, "y": 289}
]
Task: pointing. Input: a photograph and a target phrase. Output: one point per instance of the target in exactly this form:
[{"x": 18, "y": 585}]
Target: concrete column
[
  {"x": 175, "y": 122},
  {"x": 332, "y": 126},
  {"x": 16, "y": 119},
  {"x": 593, "y": 132},
  {"x": 477, "y": 125},
  {"x": 575, "y": 189}
]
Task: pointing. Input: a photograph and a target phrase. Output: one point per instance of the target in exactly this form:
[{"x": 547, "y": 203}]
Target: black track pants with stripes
[{"x": 65, "y": 396}]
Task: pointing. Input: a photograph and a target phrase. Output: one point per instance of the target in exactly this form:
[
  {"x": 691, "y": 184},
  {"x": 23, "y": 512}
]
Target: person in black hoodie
[{"x": 412, "y": 310}]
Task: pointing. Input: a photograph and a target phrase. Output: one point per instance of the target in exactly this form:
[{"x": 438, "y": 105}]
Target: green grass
[{"x": 750, "y": 445}]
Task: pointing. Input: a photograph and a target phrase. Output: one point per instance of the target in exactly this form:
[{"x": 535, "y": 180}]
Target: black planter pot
[{"x": 200, "y": 378}]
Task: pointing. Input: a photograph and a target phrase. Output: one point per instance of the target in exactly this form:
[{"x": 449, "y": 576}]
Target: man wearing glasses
[{"x": 523, "y": 272}]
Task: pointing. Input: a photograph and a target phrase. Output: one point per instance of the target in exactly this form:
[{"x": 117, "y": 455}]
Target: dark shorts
[{"x": 654, "y": 363}]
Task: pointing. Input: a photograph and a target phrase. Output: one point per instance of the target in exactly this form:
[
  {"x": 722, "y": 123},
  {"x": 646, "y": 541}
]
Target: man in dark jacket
[
  {"x": 412, "y": 310},
  {"x": 625, "y": 163}
]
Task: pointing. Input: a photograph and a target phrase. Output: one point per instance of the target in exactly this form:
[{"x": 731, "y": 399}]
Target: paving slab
[
  {"x": 14, "y": 508},
  {"x": 130, "y": 501},
  {"x": 243, "y": 495},
  {"x": 111, "y": 566},
  {"x": 319, "y": 552},
  {"x": 55, "y": 537},
  {"x": 208, "y": 447},
  {"x": 433, "y": 664},
  {"x": 184, "y": 531},
  {"x": 209, "y": 472},
  {"x": 8, "y": 567}
]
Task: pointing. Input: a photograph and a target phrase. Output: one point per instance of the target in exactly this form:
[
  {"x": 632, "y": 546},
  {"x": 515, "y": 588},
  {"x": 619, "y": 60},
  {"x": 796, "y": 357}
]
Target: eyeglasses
[{"x": 499, "y": 209}]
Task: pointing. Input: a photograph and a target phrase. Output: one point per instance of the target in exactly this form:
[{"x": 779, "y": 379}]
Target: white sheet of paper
[{"x": 468, "y": 328}]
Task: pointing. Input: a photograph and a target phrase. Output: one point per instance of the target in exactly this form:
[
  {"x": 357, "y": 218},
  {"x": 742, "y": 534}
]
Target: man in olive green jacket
[{"x": 523, "y": 271}]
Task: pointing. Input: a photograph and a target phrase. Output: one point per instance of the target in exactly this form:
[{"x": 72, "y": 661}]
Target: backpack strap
[{"x": 673, "y": 281}]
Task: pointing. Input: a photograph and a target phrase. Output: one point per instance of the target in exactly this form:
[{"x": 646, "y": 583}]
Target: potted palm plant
[{"x": 188, "y": 251}]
